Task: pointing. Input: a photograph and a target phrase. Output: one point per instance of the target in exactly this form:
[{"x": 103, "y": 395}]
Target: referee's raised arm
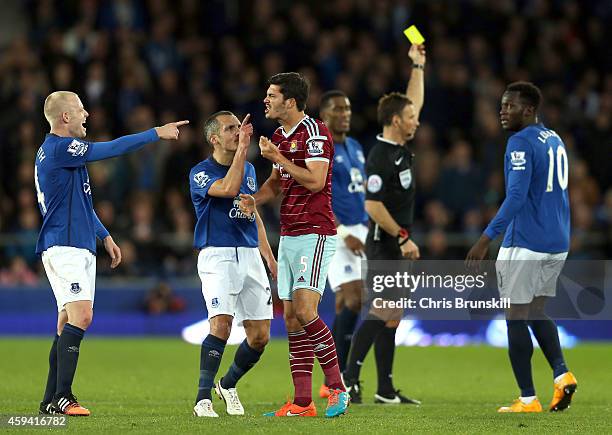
[{"x": 415, "y": 90}]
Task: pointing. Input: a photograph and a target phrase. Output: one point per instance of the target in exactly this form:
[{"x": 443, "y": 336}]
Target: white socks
[
  {"x": 558, "y": 378},
  {"x": 528, "y": 400}
]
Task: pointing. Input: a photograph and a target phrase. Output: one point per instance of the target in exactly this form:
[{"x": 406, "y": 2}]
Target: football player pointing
[
  {"x": 234, "y": 282},
  {"x": 67, "y": 240}
]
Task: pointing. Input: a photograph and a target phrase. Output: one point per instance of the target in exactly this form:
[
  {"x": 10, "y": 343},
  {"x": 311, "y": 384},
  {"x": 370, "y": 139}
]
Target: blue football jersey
[
  {"x": 348, "y": 191},
  {"x": 536, "y": 211},
  {"x": 64, "y": 194},
  {"x": 219, "y": 220}
]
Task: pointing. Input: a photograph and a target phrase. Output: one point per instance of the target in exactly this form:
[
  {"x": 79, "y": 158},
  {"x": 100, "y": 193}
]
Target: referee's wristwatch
[{"x": 403, "y": 236}]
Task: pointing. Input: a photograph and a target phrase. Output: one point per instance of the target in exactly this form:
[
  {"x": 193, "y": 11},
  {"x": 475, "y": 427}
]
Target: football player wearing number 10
[
  {"x": 67, "y": 240},
  {"x": 536, "y": 218}
]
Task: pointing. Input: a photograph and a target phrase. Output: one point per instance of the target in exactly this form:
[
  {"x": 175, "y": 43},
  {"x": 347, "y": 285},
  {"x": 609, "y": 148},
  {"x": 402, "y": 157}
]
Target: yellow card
[{"x": 413, "y": 35}]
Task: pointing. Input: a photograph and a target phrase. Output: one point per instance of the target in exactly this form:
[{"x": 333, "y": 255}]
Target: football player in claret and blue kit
[{"x": 302, "y": 152}]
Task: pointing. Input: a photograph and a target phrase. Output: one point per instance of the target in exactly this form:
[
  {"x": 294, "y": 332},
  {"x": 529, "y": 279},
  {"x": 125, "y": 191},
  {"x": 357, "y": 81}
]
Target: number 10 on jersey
[{"x": 562, "y": 168}]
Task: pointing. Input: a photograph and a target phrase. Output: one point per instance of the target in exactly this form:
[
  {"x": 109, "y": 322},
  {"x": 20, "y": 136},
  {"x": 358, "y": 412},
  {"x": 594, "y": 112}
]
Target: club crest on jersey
[
  {"x": 201, "y": 179},
  {"x": 315, "y": 147},
  {"x": 75, "y": 288},
  {"x": 77, "y": 148},
  {"x": 517, "y": 160},
  {"x": 293, "y": 146},
  {"x": 251, "y": 183}
]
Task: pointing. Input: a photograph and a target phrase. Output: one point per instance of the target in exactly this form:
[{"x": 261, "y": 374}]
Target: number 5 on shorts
[{"x": 303, "y": 263}]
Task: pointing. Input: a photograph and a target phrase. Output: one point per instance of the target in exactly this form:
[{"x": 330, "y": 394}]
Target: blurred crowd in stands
[{"x": 138, "y": 63}]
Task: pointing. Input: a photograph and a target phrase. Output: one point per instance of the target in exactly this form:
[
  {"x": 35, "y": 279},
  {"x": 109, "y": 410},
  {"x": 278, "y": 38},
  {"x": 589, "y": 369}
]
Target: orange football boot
[
  {"x": 324, "y": 391},
  {"x": 291, "y": 410},
  {"x": 518, "y": 406},
  {"x": 564, "y": 390},
  {"x": 69, "y": 405}
]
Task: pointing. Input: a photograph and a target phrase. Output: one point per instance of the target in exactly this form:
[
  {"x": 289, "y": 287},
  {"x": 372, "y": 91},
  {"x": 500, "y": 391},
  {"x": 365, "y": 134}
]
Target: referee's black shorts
[{"x": 384, "y": 248}]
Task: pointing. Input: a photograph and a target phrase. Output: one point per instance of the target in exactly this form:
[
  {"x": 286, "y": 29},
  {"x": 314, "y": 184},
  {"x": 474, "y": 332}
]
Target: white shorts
[
  {"x": 71, "y": 273},
  {"x": 523, "y": 274},
  {"x": 234, "y": 282},
  {"x": 346, "y": 266}
]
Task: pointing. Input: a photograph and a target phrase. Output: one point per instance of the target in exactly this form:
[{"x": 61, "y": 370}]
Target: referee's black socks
[
  {"x": 68, "y": 346},
  {"x": 384, "y": 350},
  {"x": 520, "y": 350},
  {"x": 362, "y": 341}
]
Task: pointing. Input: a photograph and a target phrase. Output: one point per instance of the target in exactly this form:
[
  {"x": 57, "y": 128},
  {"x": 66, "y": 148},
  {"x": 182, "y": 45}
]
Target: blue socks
[
  {"x": 210, "y": 359},
  {"x": 68, "y": 346},
  {"x": 520, "y": 350},
  {"x": 344, "y": 326},
  {"x": 244, "y": 360},
  {"x": 52, "y": 376},
  {"x": 545, "y": 331}
]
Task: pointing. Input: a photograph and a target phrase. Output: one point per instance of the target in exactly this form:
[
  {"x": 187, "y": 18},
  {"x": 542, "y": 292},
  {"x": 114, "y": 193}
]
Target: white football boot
[
  {"x": 204, "y": 408},
  {"x": 231, "y": 399}
]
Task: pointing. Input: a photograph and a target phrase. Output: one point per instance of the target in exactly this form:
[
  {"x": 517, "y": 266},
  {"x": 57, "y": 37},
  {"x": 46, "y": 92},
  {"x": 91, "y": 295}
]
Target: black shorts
[{"x": 382, "y": 246}]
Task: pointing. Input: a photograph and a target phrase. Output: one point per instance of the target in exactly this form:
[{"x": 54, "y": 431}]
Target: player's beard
[{"x": 276, "y": 114}]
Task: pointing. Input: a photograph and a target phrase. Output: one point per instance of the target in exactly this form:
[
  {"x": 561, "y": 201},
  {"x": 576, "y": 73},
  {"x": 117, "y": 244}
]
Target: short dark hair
[
  {"x": 529, "y": 93},
  {"x": 327, "y": 96},
  {"x": 211, "y": 125},
  {"x": 292, "y": 85},
  {"x": 390, "y": 105}
]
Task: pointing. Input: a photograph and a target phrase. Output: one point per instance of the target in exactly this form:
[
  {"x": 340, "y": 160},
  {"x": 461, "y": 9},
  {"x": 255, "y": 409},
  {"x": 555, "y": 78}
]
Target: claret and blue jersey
[
  {"x": 219, "y": 220},
  {"x": 536, "y": 211},
  {"x": 348, "y": 175}
]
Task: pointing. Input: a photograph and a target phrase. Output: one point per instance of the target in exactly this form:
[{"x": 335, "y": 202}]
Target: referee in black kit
[{"x": 390, "y": 196}]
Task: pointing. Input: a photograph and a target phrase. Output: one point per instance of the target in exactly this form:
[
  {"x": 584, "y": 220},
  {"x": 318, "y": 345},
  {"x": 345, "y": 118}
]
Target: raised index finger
[
  {"x": 245, "y": 121},
  {"x": 179, "y": 123}
]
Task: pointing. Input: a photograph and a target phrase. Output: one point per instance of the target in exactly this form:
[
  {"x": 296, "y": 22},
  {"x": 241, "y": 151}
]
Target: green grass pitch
[{"x": 148, "y": 386}]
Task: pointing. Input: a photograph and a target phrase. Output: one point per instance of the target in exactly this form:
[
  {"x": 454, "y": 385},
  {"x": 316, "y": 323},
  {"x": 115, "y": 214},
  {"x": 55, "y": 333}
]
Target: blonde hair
[{"x": 55, "y": 105}]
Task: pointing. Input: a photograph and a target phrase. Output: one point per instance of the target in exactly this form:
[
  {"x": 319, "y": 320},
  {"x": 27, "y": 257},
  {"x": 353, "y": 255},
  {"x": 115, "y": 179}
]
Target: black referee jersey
[{"x": 390, "y": 174}]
